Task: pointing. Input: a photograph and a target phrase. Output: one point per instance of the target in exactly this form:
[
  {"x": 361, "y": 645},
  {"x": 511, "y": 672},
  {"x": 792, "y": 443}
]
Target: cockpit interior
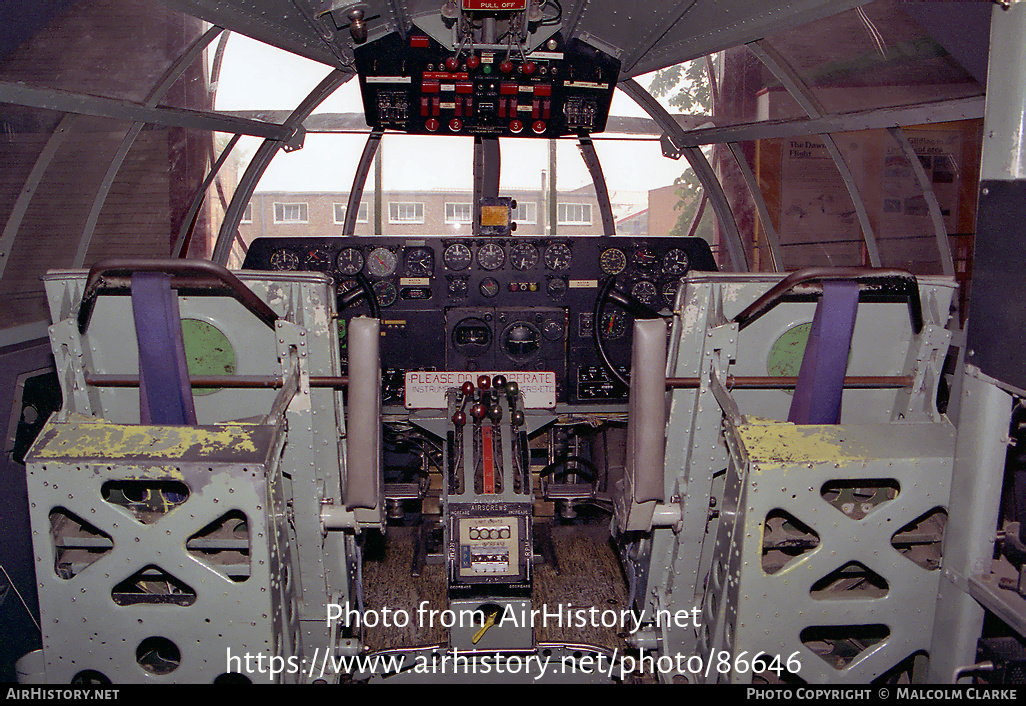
[{"x": 513, "y": 341}]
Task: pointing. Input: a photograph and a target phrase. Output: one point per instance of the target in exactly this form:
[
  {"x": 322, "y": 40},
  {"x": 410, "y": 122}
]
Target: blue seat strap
[
  {"x": 165, "y": 396},
  {"x": 817, "y": 395}
]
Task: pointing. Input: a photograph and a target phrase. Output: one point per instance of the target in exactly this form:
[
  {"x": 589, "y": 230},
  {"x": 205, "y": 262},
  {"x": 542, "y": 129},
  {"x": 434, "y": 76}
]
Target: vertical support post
[
  {"x": 972, "y": 518},
  {"x": 772, "y": 239},
  {"x": 989, "y": 377},
  {"x": 486, "y": 174},
  {"x": 371, "y": 150},
  {"x": 553, "y": 219},
  {"x": 379, "y": 193},
  {"x": 601, "y": 192},
  {"x": 363, "y": 483}
]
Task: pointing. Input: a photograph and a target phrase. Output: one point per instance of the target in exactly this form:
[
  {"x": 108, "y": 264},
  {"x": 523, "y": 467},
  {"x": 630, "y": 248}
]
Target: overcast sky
[{"x": 256, "y": 76}]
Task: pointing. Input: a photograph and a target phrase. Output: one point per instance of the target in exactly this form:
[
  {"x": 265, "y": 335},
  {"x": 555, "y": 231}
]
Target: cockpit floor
[{"x": 586, "y": 573}]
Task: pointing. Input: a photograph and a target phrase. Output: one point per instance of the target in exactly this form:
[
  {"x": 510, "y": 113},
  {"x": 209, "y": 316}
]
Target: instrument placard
[{"x": 426, "y": 390}]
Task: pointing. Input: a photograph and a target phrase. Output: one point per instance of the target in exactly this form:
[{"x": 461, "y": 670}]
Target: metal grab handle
[
  {"x": 115, "y": 274},
  {"x": 869, "y": 279}
]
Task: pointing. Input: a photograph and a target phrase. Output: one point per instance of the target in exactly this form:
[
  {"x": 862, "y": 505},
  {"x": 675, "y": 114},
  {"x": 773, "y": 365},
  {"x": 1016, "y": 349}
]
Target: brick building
[{"x": 319, "y": 214}]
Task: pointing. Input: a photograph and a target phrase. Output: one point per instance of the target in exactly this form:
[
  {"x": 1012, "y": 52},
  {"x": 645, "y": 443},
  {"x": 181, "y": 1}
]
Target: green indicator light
[{"x": 487, "y": 68}]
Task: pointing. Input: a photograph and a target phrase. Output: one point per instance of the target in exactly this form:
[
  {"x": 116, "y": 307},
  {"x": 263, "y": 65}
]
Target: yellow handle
[{"x": 489, "y": 621}]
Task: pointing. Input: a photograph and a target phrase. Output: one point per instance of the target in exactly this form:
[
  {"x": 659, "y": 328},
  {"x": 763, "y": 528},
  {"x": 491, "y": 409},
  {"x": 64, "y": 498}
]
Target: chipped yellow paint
[
  {"x": 103, "y": 440},
  {"x": 778, "y": 444}
]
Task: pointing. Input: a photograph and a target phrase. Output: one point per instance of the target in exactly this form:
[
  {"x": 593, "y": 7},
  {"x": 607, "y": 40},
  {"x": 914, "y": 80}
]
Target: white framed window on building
[
  {"x": 247, "y": 214},
  {"x": 457, "y": 213},
  {"x": 362, "y": 215},
  {"x": 525, "y": 212},
  {"x": 290, "y": 213},
  {"x": 570, "y": 214},
  {"x": 405, "y": 212}
]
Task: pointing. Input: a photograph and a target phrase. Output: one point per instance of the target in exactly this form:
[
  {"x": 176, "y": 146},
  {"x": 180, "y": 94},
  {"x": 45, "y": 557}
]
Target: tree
[{"x": 686, "y": 87}]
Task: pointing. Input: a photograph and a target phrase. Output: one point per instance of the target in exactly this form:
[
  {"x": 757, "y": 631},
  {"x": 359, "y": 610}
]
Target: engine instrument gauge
[
  {"x": 490, "y": 256},
  {"x": 489, "y": 287},
  {"x": 524, "y": 256},
  {"x": 556, "y": 287},
  {"x": 558, "y": 257},
  {"x": 457, "y": 257},
  {"x": 458, "y": 287}
]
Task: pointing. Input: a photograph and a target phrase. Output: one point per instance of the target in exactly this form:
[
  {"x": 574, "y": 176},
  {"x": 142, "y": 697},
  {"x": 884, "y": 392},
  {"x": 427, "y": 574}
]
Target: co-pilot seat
[
  {"x": 198, "y": 524},
  {"x": 799, "y": 525}
]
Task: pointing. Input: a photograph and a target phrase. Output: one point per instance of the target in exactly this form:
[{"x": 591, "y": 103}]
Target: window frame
[
  {"x": 525, "y": 221},
  {"x": 304, "y": 212},
  {"x": 396, "y": 218},
  {"x": 561, "y": 213},
  {"x": 453, "y": 221},
  {"x": 362, "y": 213}
]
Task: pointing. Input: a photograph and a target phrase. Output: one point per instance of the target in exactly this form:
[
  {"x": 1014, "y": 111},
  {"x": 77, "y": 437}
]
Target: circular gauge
[
  {"x": 645, "y": 259},
  {"x": 556, "y": 287},
  {"x": 524, "y": 257},
  {"x": 346, "y": 285},
  {"x": 490, "y": 256},
  {"x": 457, "y": 257},
  {"x": 419, "y": 262},
  {"x": 458, "y": 288},
  {"x": 381, "y": 262},
  {"x": 676, "y": 262},
  {"x": 284, "y": 260},
  {"x": 318, "y": 260},
  {"x": 521, "y": 340},
  {"x": 385, "y": 292},
  {"x": 558, "y": 256},
  {"x": 553, "y": 330},
  {"x": 613, "y": 261},
  {"x": 645, "y": 292},
  {"x": 489, "y": 287},
  {"x": 669, "y": 291},
  {"x": 349, "y": 261},
  {"x": 614, "y": 325}
]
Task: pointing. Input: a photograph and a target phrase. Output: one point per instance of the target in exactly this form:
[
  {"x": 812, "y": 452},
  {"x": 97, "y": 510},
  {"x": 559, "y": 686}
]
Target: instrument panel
[
  {"x": 497, "y": 303},
  {"x": 416, "y": 85}
]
